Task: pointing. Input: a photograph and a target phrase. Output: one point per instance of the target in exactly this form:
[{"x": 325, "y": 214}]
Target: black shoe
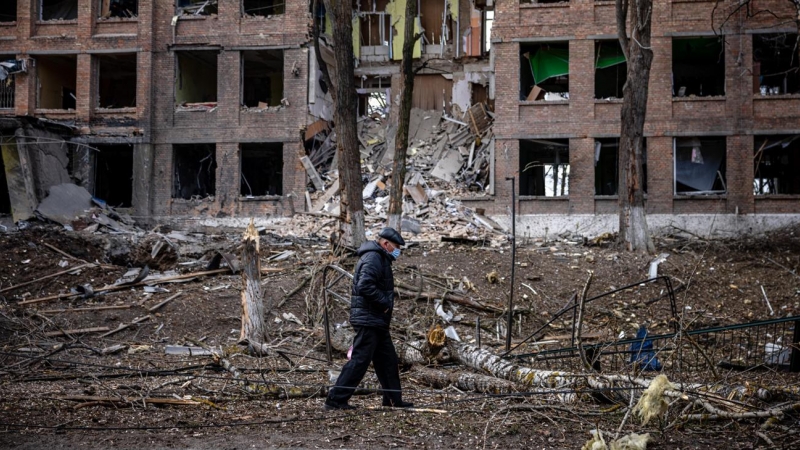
[
  {"x": 400, "y": 404},
  {"x": 336, "y": 406}
]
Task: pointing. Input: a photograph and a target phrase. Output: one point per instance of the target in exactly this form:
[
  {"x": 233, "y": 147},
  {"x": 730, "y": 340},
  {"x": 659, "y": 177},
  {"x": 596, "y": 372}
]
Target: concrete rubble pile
[{"x": 447, "y": 159}]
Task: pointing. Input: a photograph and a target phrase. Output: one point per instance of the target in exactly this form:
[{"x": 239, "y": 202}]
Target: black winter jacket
[{"x": 372, "y": 301}]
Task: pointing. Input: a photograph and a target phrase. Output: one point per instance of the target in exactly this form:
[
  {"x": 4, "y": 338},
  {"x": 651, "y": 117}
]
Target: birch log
[
  {"x": 465, "y": 381},
  {"x": 480, "y": 359},
  {"x": 253, "y": 327}
]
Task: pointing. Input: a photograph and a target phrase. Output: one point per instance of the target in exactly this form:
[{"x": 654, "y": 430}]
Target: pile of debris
[{"x": 448, "y": 159}]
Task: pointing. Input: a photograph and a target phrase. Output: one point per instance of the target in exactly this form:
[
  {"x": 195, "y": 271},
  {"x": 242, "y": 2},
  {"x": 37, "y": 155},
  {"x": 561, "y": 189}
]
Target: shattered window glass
[
  {"x": 194, "y": 168},
  {"x": 700, "y": 165},
  {"x": 544, "y": 167},
  {"x": 777, "y": 163}
]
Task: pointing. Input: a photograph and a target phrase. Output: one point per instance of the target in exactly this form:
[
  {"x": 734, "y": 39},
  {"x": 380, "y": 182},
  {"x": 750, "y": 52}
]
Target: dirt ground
[{"x": 49, "y": 391}]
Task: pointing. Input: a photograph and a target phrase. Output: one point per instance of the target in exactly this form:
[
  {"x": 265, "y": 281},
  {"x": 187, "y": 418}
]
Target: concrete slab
[
  {"x": 64, "y": 203},
  {"x": 447, "y": 167}
]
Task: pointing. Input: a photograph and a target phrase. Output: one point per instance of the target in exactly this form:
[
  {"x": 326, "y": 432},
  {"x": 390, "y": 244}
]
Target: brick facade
[
  {"x": 154, "y": 125},
  {"x": 739, "y": 116}
]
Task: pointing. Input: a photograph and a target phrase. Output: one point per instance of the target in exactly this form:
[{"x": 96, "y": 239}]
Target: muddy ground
[{"x": 49, "y": 391}]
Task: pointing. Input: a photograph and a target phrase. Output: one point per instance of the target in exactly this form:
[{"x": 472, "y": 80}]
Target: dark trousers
[{"x": 373, "y": 345}]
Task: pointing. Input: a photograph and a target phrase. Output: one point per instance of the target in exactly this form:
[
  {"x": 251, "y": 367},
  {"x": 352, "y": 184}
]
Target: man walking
[{"x": 371, "y": 308}]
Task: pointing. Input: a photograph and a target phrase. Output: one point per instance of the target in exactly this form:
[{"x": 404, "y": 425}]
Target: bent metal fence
[{"x": 769, "y": 343}]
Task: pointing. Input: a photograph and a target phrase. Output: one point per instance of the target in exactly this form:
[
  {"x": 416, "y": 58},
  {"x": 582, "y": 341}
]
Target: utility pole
[{"x": 513, "y": 259}]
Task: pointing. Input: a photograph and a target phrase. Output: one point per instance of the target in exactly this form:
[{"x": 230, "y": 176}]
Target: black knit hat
[{"x": 390, "y": 234}]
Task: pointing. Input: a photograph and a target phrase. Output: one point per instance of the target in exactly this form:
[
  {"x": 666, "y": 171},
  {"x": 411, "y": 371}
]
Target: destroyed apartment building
[{"x": 206, "y": 112}]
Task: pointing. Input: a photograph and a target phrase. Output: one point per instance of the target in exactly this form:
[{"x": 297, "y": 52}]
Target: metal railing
[{"x": 7, "y": 89}]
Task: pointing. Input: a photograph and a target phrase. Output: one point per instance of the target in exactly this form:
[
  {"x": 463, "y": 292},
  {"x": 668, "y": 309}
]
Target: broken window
[
  {"x": 58, "y": 9},
  {"x": 777, "y": 163},
  {"x": 119, "y": 8},
  {"x": 194, "y": 167},
  {"x": 56, "y": 81},
  {"x": 7, "y": 84},
  {"x": 776, "y": 67},
  {"x": 197, "y": 7},
  {"x": 610, "y": 69},
  {"x": 113, "y": 174},
  {"x": 263, "y": 78},
  {"x": 544, "y": 66},
  {"x": 373, "y": 96},
  {"x": 698, "y": 67},
  {"x": 436, "y": 24},
  {"x": 117, "y": 80},
  {"x": 263, "y": 7},
  {"x": 606, "y": 166},
  {"x": 8, "y": 11},
  {"x": 700, "y": 165},
  {"x": 488, "y": 21},
  {"x": 544, "y": 167},
  {"x": 374, "y": 29},
  {"x": 262, "y": 169},
  {"x": 196, "y": 78}
]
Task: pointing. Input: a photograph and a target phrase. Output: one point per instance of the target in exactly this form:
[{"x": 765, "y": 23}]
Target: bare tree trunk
[
  {"x": 254, "y": 330},
  {"x": 632, "y": 219},
  {"x": 401, "y": 141},
  {"x": 345, "y": 118}
]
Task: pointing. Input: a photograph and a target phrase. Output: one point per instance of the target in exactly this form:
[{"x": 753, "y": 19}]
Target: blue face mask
[{"x": 395, "y": 253}]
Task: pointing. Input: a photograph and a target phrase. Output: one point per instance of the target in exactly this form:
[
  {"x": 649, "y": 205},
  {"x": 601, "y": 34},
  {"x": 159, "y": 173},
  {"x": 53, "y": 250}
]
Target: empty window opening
[
  {"x": 374, "y": 96},
  {"x": 544, "y": 167},
  {"x": 197, "y": 7},
  {"x": 113, "y": 174},
  {"x": 263, "y": 78},
  {"x": 196, "y": 78},
  {"x": 606, "y": 166},
  {"x": 488, "y": 22},
  {"x": 7, "y": 81},
  {"x": 56, "y": 76},
  {"x": 375, "y": 26},
  {"x": 544, "y": 71},
  {"x": 8, "y": 11},
  {"x": 698, "y": 67},
  {"x": 479, "y": 93},
  {"x": 610, "y": 69},
  {"x": 700, "y": 165},
  {"x": 262, "y": 169},
  {"x": 263, "y": 7},
  {"x": 119, "y": 8},
  {"x": 776, "y": 68},
  {"x": 58, "y": 9},
  {"x": 117, "y": 80},
  {"x": 777, "y": 163},
  {"x": 195, "y": 167},
  {"x": 437, "y": 26}
]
